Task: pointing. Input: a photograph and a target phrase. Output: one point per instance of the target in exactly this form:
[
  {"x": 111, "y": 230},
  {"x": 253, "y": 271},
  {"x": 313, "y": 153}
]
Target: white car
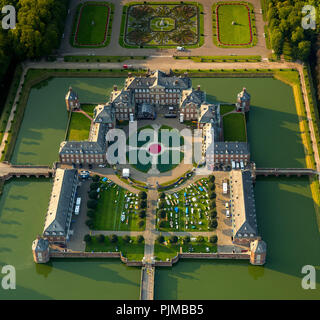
[{"x": 227, "y": 213}]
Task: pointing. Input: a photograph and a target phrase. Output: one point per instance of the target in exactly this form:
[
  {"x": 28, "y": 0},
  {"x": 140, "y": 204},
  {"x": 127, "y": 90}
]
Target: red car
[{"x": 125, "y": 66}]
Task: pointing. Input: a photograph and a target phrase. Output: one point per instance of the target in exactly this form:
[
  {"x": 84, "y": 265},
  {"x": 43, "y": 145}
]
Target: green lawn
[
  {"x": 93, "y": 24},
  {"x": 79, "y": 127},
  {"x": 234, "y": 127},
  {"x": 111, "y": 204},
  {"x": 88, "y": 109},
  {"x": 229, "y": 34},
  {"x": 168, "y": 251},
  {"x": 226, "y": 108},
  {"x": 132, "y": 251},
  {"x": 162, "y": 252}
]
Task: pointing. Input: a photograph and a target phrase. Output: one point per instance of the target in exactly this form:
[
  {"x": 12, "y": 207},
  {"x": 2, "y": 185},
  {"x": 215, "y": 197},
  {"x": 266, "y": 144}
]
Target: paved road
[{"x": 208, "y": 49}]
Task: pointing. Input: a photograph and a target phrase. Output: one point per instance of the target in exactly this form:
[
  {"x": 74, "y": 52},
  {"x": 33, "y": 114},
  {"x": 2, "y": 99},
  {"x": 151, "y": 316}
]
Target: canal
[
  {"x": 287, "y": 222},
  {"x": 23, "y": 208},
  {"x": 285, "y": 209}
]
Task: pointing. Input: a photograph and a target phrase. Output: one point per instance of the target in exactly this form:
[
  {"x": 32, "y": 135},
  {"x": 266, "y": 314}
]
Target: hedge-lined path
[{"x": 208, "y": 48}]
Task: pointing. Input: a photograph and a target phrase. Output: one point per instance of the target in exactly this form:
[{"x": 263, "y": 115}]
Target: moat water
[{"x": 285, "y": 209}]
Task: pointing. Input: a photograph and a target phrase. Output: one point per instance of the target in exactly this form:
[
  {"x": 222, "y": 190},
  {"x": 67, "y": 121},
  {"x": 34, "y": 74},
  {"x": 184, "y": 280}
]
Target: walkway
[
  {"x": 147, "y": 283},
  {"x": 285, "y": 171},
  {"x": 84, "y": 113},
  {"x": 8, "y": 170}
]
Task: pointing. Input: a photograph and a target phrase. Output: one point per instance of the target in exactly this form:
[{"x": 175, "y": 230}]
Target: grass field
[
  {"x": 79, "y": 127},
  {"x": 226, "y": 108},
  {"x": 132, "y": 251},
  {"x": 169, "y": 250},
  {"x": 233, "y": 24},
  {"x": 234, "y": 127},
  {"x": 92, "y": 24},
  {"x": 111, "y": 205}
]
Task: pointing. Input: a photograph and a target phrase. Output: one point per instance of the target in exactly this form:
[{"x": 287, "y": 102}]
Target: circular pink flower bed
[{"x": 155, "y": 148}]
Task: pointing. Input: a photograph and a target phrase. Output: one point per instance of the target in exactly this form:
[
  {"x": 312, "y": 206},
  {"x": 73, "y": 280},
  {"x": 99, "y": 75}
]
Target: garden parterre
[{"x": 162, "y": 24}]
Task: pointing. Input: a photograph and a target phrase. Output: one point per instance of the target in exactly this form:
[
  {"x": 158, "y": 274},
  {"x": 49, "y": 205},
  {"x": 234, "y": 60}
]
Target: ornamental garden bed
[
  {"x": 92, "y": 26},
  {"x": 234, "y": 25},
  {"x": 164, "y": 154},
  {"x": 162, "y": 25}
]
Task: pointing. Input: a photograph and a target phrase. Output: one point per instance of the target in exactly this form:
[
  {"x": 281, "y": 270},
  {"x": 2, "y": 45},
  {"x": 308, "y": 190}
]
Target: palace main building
[{"x": 142, "y": 98}]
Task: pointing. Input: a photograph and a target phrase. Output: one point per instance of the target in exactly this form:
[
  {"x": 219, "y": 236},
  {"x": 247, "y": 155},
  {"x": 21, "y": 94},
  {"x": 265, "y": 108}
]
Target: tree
[
  {"x": 140, "y": 239},
  {"x": 186, "y": 239},
  {"x": 91, "y": 213},
  {"x": 141, "y": 223},
  {"x": 142, "y": 214},
  {"x": 304, "y": 49},
  {"x": 101, "y": 238},
  {"x": 87, "y": 238},
  {"x": 96, "y": 178},
  {"x": 94, "y": 186},
  {"x": 213, "y": 239},
  {"x": 93, "y": 195},
  {"x": 162, "y": 214},
  {"x": 92, "y": 204},
  {"x": 161, "y": 204},
  {"x": 212, "y": 203},
  {"x": 142, "y": 195},
  {"x": 160, "y": 239},
  {"x": 143, "y": 204},
  {"x": 213, "y": 224},
  {"x": 212, "y": 178},
  {"x": 173, "y": 239},
  {"x": 212, "y": 186},
  {"x": 200, "y": 239},
  {"x": 89, "y": 223},
  {"x": 212, "y": 195},
  {"x": 114, "y": 238},
  {"x": 162, "y": 195},
  {"x": 277, "y": 41},
  {"x": 213, "y": 213},
  {"x": 126, "y": 238},
  {"x": 162, "y": 224}
]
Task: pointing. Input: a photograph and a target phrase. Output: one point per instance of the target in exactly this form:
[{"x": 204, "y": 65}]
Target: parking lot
[{"x": 187, "y": 209}]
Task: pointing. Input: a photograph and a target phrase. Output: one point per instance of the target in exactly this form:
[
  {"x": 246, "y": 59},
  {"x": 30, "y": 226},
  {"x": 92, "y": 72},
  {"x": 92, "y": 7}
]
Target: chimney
[
  {"x": 115, "y": 88},
  {"x": 176, "y": 82},
  {"x": 198, "y": 87},
  {"x": 186, "y": 74}
]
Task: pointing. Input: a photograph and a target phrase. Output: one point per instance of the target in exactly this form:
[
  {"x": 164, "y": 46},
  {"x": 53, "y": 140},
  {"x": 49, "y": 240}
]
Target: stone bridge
[
  {"x": 8, "y": 171},
  {"x": 284, "y": 172},
  {"x": 147, "y": 283}
]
